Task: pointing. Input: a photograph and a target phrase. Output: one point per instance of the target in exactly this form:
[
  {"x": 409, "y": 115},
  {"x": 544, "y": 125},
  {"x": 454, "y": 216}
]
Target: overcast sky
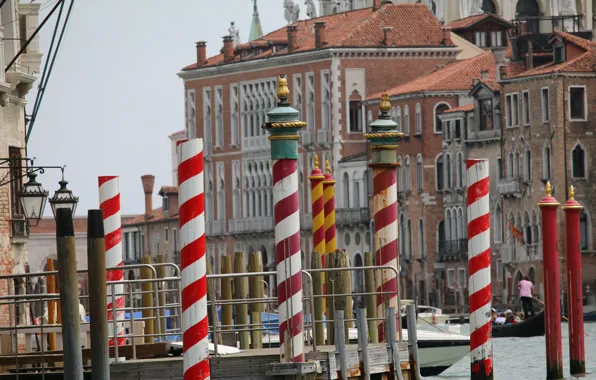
[{"x": 114, "y": 97}]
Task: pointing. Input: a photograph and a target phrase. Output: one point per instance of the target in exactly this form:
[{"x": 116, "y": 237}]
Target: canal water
[{"x": 525, "y": 358}]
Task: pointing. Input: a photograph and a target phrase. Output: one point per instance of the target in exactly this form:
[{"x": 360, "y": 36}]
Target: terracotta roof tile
[
  {"x": 156, "y": 215},
  {"x": 457, "y": 76},
  {"x": 413, "y": 25},
  {"x": 466, "y": 108},
  {"x": 583, "y": 63},
  {"x": 471, "y": 20}
]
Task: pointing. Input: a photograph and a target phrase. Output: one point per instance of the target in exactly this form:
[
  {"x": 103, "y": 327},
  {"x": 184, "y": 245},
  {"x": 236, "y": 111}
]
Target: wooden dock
[{"x": 255, "y": 364}]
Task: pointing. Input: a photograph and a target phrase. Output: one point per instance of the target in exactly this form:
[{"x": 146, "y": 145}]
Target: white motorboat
[{"x": 426, "y": 314}]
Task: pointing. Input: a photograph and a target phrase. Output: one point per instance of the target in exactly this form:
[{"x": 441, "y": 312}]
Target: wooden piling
[
  {"x": 317, "y": 279},
  {"x": 51, "y": 286},
  {"x": 255, "y": 291},
  {"x": 147, "y": 300},
  {"x": 371, "y": 303},
  {"x": 343, "y": 286},
  {"x": 161, "y": 273},
  {"x": 240, "y": 294},
  {"x": 210, "y": 307},
  {"x": 226, "y": 294},
  {"x": 330, "y": 285}
]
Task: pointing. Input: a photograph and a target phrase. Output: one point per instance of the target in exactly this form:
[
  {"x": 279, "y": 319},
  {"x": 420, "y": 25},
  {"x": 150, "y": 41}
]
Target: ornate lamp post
[{"x": 63, "y": 198}]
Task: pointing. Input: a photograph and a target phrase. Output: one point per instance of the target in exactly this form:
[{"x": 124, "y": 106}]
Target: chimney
[
  {"x": 320, "y": 37},
  {"x": 530, "y": 57},
  {"x": 292, "y": 38},
  {"x": 484, "y": 75},
  {"x": 387, "y": 36},
  {"x": 228, "y": 48},
  {"x": 447, "y": 36},
  {"x": 377, "y": 4},
  {"x": 201, "y": 53},
  {"x": 148, "y": 183}
]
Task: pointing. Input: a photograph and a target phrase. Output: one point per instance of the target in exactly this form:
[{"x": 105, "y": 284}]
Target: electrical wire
[{"x": 42, "y": 86}]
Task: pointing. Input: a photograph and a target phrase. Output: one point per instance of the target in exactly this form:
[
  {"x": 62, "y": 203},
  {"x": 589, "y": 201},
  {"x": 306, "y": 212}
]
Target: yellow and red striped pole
[
  {"x": 329, "y": 200},
  {"x": 318, "y": 214}
]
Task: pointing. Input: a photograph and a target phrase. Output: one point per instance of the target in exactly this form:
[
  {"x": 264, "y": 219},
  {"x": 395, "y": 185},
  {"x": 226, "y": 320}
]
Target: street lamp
[
  {"x": 63, "y": 198},
  {"x": 33, "y": 199}
]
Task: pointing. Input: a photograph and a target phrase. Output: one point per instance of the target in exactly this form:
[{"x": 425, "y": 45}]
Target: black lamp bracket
[{"x": 17, "y": 162}]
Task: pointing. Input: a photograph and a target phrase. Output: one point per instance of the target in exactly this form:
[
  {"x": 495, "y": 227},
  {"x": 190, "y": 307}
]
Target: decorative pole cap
[
  {"x": 283, "y": 125},
  {"x": 571, "y": 203},
  {"x": 548, "y": 200},
  {"x": 384, "y": 134},
  {"x": 316, "y": 173},
  {"x": 329, "y": 180}
]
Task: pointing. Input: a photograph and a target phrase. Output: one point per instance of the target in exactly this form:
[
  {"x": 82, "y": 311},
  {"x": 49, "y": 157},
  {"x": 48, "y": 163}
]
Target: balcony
[
  {"x": 510, "y": 186},
  {"x": 19, "y": 227},
  {"x": 453, "y": 249},
  {"x": 324, "y": 136},
  {"x": 511, "y": 253},
  {"x": 256, "y": 143},
  {"x": 251, "y": 225},
  {"x": 215, "y": 227},
  {"x": 352, "y": 216},
  {"x": 484, "y": 136}
]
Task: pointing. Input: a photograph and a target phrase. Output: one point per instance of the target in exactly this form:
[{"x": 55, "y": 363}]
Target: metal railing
[
  {"x": 453, "y": 247},
  {"x": 352, "y": 216}
]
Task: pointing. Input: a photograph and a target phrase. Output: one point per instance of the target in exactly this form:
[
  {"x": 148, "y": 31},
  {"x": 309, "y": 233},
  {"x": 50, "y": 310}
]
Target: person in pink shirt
[{"x": 526, "y": 289}]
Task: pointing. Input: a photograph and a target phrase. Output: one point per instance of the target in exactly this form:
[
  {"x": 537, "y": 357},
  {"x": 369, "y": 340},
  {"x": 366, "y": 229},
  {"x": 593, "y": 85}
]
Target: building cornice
[
  {"x": 547, "y": 76},
  {"x": 314, "y": 56},
  {"x": 419, "y": 94}
]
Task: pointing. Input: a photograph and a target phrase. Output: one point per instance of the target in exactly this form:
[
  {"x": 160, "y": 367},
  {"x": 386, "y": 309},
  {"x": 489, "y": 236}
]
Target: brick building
[{"x": 333, "y": 64}]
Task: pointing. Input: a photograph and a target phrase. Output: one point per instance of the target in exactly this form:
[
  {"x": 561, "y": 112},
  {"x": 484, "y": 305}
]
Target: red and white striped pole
[
  {"x": 481, "y": 346},
  {"x": 109, "y": 202},
  {"x": 191, "y": 194},
  {"x": 283, "y": 124},
  {"x": 383, "y": 145}
]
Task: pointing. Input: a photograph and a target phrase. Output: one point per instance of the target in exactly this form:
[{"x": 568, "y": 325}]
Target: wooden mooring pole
[
  {"x": 227, "y": 309},
  {"x": 319, "y": 312},
  {"x": 161, "y": 273},
  {"x": 371, "y": 302},
  {"x": 256, "y": 291},
  {"x": 147, "y": 300},
  {"x": 240, "y": 294}
]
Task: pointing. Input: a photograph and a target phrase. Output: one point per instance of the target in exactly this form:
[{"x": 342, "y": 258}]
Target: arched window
[
  {"x": 356, "y": 192},
  {"x": 398, "y": 118},
  {"x": 528, "y": 238},
  {"x": 546, "y": 162},
  {"x": 400, "y": 175},
  {"x": 454, "y": 225},
  {"x": 439, "y": 174},
  {"x": 460, "y": 170},
  {"x": 498, "y": 225},
  {"x": 402, "y": 234},
  {"x": 439, "y": 109},
  {"x": 462, "y": 231},
  {"x": 583, "y": 230},
  {"x": 346, "y": 190},
  {"x": 408, "y": 174},
  {"x": 516, "y": 165},
  {"x": 448, "y": 172},
  {"x": 421, "y": 238},
  {"x": 419, "y": 178},
  {"x": 527, "y": 165},
  {"x": 441, "y": 233},
  {"x": 578, "y": 158},
  {"x": 409, "y": 238},
  {"x": 448, "y": 224},
  {"x": 535, "y": 228},
  {"x": 418, "y": 119},
  {"x": 406, "y": 120}
]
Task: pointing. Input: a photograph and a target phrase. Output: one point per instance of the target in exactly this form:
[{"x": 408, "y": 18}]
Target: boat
[
  {"x": 425, "y": 314},
  {"x": 525, "y": 329},
  {"x": 590, "y": 316}
]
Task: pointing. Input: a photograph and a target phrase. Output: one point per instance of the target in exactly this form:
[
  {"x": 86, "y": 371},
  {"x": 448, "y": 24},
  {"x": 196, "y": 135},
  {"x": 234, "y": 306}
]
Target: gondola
[{"x": 524, "y": 329}]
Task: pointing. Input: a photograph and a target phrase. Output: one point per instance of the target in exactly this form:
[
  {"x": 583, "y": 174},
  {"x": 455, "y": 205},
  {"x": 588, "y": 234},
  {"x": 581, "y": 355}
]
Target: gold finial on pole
[
  {"x": 282, "y": 87},
  {"x": 316, "y": 161},
  {"x": 548, "y": 189},
  {"x": 571, "y": 192},
  {"x": 385, "y": 104},
  {"x": 327, "y": 168}
]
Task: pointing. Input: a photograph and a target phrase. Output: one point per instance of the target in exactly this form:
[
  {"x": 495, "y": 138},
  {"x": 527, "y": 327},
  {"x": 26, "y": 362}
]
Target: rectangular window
[
  {"x": 577, "y": 103},
  {"x": 545, "y": 106},
  {"x": 165, "y": 203},
  {"x": 499, "y": 168},
  {"x": 207, "y": 118},
  {"x": 355, "y": 116},
  {"x": 512, "y": 110},
  {"x": 461, "y": 278},
  {"x": 451, "y": 278},
  {"x": 219, "y": 127},
  {"x": 175, "y": 236},
  {"x": 481, "y": 39},
  {"x": 127, "y": 252},
  {"x": 142, "y": 245},
  {"x": 136, "y": 244},
  {"x": 16, "y": 180},
  {"x": 166, "y": 234},
  {"x": 508, "y": 110},
  {"x": 326, "y": 100},
  {"x": 496, "y": 38},
  {"x": 499, "y": 270},
  {"x": 486, "y": 114},
  {"x": 458, "y": 129},
  {"x": 526, "y": 107},
  {"x": 297, "y": 94}
]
